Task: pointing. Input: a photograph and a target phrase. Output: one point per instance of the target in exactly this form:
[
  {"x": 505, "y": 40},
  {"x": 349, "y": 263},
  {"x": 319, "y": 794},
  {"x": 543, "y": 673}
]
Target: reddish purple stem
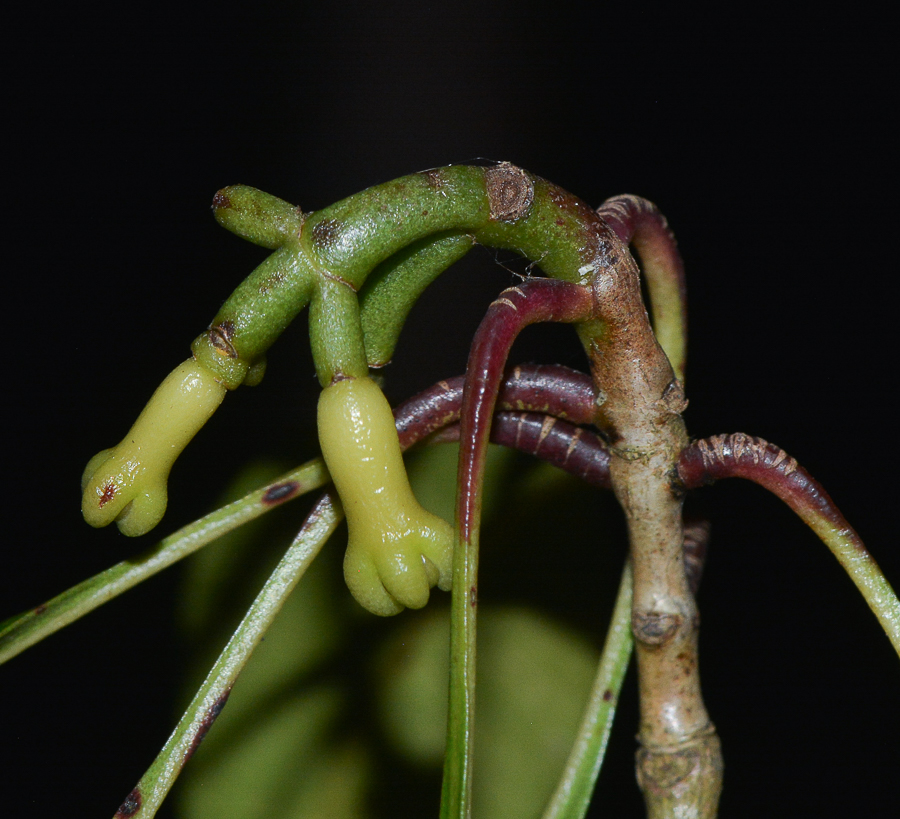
[
  {"x": 743, "y": 456},
  {"x": 696, "y": 540},
  {"x": 629, "y": 216},
  {"x": 580, "y": 452},
  {"x": 535, "y": 300},
  {"x": 638, "y": 220},
  {"x": 551, "y": 389}
]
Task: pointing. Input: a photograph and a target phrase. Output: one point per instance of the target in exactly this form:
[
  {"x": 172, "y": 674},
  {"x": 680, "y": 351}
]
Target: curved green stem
[
  {"x": 255, "y": 314},
  {"x": 210, "y": 699},
  {"x": 256, "y": 216},
  {"x": 395, "y": 285},
  {"x": 436, "y": 214},
  {"x": 349, "y": 238},
  {"x": 28, "y": 628}
]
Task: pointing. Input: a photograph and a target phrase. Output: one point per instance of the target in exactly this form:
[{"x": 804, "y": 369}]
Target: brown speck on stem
[
  {"x": 673, "y": 399},
  {"x": 130, "y": 806},
  {"x": 339, "y": 376},
  {"x": 272, "y": 282},
  {"x": 280, "y": 492},
  {"x": 220, "y": 336},
  {"x": 335, "y": 278},
  {"x": 325, "y": 233},
  {"x": 221, "y": 200},
  {"x": 473, "y": 597},
  {"x": 434, "y": 178},
  {"x": 655, "y": 628},
  {"x": 208, "y": 720}
]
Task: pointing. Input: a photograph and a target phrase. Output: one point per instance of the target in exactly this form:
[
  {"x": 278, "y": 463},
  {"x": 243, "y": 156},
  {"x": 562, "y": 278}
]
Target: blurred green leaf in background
[{"x": 343, "y": 714}]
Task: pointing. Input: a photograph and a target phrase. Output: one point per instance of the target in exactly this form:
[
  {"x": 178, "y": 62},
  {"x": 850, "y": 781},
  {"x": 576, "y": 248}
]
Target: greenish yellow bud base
[{"x": 397, "y": 551}]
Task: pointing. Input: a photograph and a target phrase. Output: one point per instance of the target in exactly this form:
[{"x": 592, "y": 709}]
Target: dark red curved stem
[
  {"x": 639, "y": 222},
  {"x": 576, "y": 450},
  {"x": 580, "y": 452},
  {"x": 551, "y": 389},
  {"x": 535, "y": 300},
  {"x": 744, "y": 456},
  {"x": 631, "y": 216}
]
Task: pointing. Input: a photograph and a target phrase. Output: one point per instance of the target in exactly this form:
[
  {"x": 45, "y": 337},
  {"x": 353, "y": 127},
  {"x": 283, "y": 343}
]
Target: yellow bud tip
[
  {"x": 127, "y": 483},
  {"x": 397, "y": 551}
]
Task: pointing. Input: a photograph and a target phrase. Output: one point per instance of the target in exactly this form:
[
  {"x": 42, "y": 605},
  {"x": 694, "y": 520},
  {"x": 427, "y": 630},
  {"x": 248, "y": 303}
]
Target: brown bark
[{"x": 639, "y": 408}]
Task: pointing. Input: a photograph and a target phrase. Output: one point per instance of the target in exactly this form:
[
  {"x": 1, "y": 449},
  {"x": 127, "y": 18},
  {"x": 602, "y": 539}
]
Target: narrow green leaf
[
  {"x": 28, "y": 628},
  {"x": 210, "y": 699},
  {"x": 576, "y": 787}
]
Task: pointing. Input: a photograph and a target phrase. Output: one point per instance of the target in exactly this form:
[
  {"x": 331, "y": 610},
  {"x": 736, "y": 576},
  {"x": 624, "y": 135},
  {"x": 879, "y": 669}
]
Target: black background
[{"x": 768, "y": 141}]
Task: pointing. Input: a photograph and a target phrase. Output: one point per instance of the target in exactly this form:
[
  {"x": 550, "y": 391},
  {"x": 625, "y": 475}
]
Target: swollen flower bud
[
  {"x": 128, "y": 482},
  {"x": 397, "y": 551}
]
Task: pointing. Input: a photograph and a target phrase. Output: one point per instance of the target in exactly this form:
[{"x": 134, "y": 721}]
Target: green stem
[
  {"x": 395, "y": 285},
  {"x": 437, "y": 213},
  {"x": 456, "y": 786},
  {"x": 573, "y": 794},
  {"x": 865, "y": 573},
  {"x": 349, "y": 238},
  {"x": 335, "y": 332},
  {"x": 209, "y": 700},
  {"x": 256, "y": 216},
  {"x": 255, "y": 314},
  {"x": 28, "y": 628}
]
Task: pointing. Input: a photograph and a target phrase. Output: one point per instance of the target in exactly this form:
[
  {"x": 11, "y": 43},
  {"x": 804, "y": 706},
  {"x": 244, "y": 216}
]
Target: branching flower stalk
[{"x": 360, "y": 265}]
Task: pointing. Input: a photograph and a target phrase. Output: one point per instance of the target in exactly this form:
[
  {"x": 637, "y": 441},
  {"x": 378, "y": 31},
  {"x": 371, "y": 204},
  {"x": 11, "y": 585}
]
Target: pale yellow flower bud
[
  {"x": 128, "y": 482},
  {"x": 397, "y": 551}
]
